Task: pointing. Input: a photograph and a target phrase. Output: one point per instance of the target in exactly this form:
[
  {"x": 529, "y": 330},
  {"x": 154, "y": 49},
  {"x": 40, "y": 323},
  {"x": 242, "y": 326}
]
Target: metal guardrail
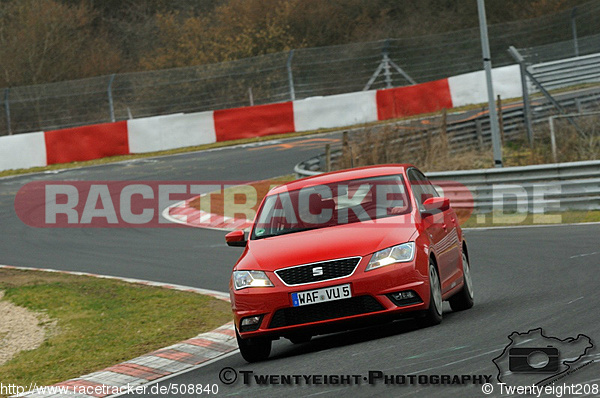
[
  {"x": 534, "y": 189},
  {"x": 523, "y": 174},
  {"x": 567, "y": 72},
  {"x": 477, "y": 131}
]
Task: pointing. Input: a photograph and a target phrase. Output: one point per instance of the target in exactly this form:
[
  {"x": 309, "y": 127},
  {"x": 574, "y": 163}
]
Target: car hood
[{"x": 357, "y": 239}]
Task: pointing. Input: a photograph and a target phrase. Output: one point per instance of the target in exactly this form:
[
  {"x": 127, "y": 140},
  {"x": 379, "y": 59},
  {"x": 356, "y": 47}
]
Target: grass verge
[{"x": 100, "y": 322}]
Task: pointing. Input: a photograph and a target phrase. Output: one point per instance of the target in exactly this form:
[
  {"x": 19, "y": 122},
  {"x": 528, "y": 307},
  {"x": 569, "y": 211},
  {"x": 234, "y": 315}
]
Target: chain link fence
[{"x": 297, "y": 74}]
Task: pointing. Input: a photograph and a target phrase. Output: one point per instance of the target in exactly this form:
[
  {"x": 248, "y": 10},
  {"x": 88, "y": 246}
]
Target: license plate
[{"x": 321, "y": 295}]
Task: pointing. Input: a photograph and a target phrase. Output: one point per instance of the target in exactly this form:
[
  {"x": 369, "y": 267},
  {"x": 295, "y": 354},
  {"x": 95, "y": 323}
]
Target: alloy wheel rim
[
  {"x": 437, "y": 292},
  {"x": 467, "y": 275}
]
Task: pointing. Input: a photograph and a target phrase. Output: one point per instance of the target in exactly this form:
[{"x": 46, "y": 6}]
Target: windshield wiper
[{"x": 285, "y": 232}]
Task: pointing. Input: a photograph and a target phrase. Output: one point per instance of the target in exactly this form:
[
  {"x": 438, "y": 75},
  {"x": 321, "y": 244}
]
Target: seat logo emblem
[{"x": 317, "y": 271}]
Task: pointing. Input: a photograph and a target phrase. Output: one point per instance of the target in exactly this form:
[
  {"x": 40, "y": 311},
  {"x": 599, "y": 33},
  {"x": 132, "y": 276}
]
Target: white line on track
[
  {"x": 577, "y": 299},
  {"x": 584, "y": 255},
  {"x": 215, "y": 293}
]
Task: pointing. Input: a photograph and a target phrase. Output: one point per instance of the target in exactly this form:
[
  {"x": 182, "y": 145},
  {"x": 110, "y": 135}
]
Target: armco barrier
[
  {"x": 567, "y": 72},
  {"x": 547, "y": 187}
]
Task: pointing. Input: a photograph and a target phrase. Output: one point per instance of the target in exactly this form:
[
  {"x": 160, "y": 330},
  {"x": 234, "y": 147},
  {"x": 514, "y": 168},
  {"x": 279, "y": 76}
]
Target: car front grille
[
  {"x": 324, "y": 311},
  {"x": 318, "y": 272}
]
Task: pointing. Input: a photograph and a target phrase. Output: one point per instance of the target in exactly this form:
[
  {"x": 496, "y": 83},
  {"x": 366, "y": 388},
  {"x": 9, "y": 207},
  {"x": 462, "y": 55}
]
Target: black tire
[
  {"x": 433, "y": 315},
  {"x": 254, "y": 349},
  {"x": 300, "y": 338},
  {"x": 463, "y": 300}
]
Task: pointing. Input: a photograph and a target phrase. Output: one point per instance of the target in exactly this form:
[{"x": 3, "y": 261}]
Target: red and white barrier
[
  {"x": 22, "y": 151},
  {"x": 413, "y": 100},
  {"x": 86, "y": 143},
  {"x": 182, "y": 130},
  {"x": 160, "y": 133},
  {"x": 471, "y": 88},
  {"x": 335, "y": 110},
  {"x": 254, "y": 121}
]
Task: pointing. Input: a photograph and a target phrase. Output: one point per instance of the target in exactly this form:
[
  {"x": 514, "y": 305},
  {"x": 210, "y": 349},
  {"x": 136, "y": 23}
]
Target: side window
[
  {"x": 421, "y": 187},
  {"x": 428, "y": 188},
  {"x": 417, "y": 187}
]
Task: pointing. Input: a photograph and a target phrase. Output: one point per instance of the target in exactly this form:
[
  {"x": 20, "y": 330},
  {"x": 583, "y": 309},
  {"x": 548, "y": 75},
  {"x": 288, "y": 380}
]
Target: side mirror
[
  {"x": 236, "y": 238},
  {"x": 440, "y": 204}
]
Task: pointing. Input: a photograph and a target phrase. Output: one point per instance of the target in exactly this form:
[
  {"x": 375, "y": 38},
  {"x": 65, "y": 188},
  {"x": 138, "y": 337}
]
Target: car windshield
[{"x": 332, "y": 204}]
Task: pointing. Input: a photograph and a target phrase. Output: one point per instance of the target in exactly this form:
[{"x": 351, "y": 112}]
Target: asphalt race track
[
  {"x": 524, "y": 278},
  {"x": 191, "y": 257}
]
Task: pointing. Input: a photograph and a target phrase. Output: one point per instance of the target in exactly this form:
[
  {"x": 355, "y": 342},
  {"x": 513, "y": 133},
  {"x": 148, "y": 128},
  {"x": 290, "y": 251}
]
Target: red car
[{"x": 338, "y": 250}]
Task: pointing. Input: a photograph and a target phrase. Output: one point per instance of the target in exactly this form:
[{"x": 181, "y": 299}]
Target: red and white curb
[
  {"x": 183, "y": 213},
  {"x": 153, "y": 366}
]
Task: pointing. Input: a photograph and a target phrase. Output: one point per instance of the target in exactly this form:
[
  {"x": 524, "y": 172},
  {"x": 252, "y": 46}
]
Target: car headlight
[
  {"x": 395, "y": 254},
  {"x": 244, "y": 279}
]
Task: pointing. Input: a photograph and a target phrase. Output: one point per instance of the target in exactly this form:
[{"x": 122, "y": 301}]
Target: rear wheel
[
  {"x": 463, "y": 300},
  {"x": 254, "y": 349},
  {"x": 433, "y": 315}
]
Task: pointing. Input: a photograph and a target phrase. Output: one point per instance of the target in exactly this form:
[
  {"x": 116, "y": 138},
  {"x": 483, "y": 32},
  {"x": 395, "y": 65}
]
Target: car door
[
  {"x": 441, "y": 228},
  {"x": 451, "y": 240}
]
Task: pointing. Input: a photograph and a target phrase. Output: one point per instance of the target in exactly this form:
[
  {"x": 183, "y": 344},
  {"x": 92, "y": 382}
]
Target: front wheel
[
  {"x": 253, "y": 349},
  {"x": 433, "y": 315},
  {"x": 463, "y": 300}
]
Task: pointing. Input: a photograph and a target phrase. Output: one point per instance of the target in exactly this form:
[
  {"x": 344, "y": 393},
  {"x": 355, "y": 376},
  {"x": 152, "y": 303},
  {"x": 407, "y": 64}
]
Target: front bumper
[{"x": 370, "y": 300}]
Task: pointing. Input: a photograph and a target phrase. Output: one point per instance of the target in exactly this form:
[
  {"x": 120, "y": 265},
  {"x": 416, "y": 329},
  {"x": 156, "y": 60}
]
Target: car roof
[{"x": 343, "y": 175}]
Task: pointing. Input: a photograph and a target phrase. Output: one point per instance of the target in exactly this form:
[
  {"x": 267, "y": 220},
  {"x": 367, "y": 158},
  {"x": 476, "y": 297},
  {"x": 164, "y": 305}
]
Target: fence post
[
  {"x": 526, "y": 105},
  {"x": 444, "y": 129},
  {"x": 500, "y": 119},
  {"x": 250, "y": 96},
  {"x": 110, "y": 98},
  {"x": 487, "y": 65},
  {"x": 291, "y": 76},
  {"x": 479, "y": 132},
  {"x": 328, "y": 157},
  {"x": 578, "y": 105},
  {"x": 386, "y": 64},
  {"x": 7, "y": 109},
  {"x": 574, "y": 29},
  {"x": 553, "y": 139}
]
